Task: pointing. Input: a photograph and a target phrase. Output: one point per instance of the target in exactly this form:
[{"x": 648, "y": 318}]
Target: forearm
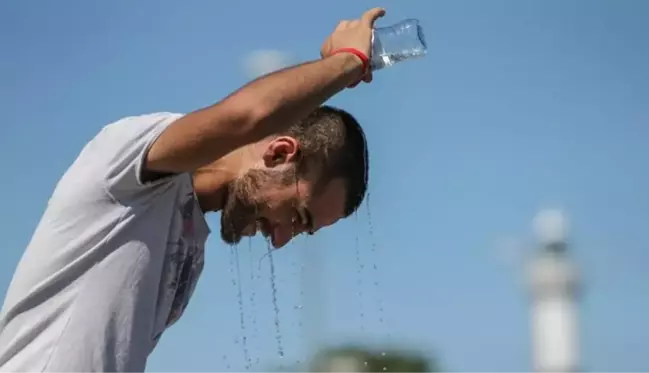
[
  {"x": 261, "y": 108},
  {"x": 282, "y": 98}
]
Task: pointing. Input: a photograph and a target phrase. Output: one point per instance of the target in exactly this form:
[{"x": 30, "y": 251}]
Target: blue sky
[{"x": 519, "y": 105}]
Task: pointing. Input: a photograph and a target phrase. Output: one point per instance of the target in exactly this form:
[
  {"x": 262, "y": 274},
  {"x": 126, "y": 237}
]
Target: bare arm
[{"x": 265, "y": 106}]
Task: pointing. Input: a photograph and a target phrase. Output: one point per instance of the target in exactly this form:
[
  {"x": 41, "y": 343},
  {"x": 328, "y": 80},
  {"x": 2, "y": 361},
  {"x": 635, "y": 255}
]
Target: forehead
[{"x": 328, "y": 205}]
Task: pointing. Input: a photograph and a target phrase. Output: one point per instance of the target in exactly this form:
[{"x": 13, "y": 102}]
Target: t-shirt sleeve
[{"x": 124, "y": 146}]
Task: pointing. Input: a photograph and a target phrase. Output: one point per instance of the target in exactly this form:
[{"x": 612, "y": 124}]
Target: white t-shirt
[{"x": 112, "y": 263}]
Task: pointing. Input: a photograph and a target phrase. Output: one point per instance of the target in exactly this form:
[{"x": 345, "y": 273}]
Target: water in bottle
[{"x": 398, "y": 42}]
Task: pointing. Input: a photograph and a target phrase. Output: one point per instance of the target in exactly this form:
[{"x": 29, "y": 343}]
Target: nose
[{"x": 283, "y": 235}]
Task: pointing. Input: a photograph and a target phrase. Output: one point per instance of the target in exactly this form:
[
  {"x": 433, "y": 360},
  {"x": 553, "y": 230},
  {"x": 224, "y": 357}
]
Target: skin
[{"x": 239, "y": 164}]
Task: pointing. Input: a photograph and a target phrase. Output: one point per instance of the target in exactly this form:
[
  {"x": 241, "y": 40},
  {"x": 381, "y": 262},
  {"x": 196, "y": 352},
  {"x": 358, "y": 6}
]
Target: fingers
[
  {"x": 325, "y": 48},
  {"x": 368, "y": 18},
  {"x": 343, "y": 24}
]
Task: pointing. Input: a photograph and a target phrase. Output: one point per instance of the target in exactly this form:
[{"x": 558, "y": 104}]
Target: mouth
[{"x": 264, "y": 226}]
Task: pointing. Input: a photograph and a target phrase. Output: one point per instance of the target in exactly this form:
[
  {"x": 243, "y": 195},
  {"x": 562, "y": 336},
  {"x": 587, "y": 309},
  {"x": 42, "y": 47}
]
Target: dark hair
[{"x": 333, "y": 138}]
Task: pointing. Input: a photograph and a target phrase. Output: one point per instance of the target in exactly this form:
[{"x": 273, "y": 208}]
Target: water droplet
[
  {"x": 359, "y": 279},
  {"x": 253, "y": 310},
  {"x": 375, "y": 270},
  {"x": 382, "y": 353},
  {"x": 385, "y": 368},
  {"x": 365, "y": 363},
  {"x": 225, "y": 359},
  {"x": 298, "y": 307},
  {"x": 242, "y": 323},
  {"x": 273, "y": 286}
]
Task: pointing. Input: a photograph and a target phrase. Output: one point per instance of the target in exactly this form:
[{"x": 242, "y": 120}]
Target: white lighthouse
[{"x": 554, "y": 290}]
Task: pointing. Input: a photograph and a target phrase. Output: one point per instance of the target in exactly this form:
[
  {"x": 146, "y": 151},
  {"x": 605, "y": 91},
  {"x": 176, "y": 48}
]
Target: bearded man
[{"x": 119, "y": 249}]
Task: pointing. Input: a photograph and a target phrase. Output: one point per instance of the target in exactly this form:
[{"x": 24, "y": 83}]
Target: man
[{"x": 119, "y": 249}]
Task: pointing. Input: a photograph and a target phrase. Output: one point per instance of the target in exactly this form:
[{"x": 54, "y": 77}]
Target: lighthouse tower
[{"x": 554, "y": 290}]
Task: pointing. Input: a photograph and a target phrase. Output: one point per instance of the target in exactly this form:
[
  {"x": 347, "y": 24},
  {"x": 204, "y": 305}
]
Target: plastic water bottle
[{"x": 398, "y": 42}]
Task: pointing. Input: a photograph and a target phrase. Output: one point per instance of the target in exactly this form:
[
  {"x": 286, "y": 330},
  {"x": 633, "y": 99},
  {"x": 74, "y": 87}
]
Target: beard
[
  {"x": 237, "y": 215},
  {"x": 240, "y": 209}
]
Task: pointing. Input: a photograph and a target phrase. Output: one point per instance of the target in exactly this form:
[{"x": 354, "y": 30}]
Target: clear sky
[{"x": 519, "y": 105}]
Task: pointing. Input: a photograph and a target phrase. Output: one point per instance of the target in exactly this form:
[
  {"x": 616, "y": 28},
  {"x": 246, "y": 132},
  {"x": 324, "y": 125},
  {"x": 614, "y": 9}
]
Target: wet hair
[{"x": 332, "y": 139}]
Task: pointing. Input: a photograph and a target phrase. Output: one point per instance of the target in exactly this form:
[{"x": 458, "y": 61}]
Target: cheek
[
  {"x": 282, "y": 211},
  {"x": 285, "y": 198},
  {"x": 280, "y": 201}
]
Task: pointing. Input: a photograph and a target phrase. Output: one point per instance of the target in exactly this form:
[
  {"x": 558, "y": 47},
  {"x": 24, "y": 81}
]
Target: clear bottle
[{"x": 398, "y": 42}]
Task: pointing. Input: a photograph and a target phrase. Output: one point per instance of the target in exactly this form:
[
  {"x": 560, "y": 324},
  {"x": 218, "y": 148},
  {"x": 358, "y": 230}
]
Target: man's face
[{"x": 273, "y": 201}]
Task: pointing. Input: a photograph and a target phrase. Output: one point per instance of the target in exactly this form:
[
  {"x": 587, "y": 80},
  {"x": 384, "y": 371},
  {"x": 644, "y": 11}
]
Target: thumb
[{"x": 368, "y": 18}]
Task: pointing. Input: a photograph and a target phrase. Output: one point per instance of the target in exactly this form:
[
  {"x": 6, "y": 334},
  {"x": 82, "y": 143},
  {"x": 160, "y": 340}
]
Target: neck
[{"x": 211, "y": 182}]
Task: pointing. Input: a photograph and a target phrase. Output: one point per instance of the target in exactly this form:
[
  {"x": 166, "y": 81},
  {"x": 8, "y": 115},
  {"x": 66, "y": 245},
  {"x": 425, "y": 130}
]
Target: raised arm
[{"x": 264, "y": 106}]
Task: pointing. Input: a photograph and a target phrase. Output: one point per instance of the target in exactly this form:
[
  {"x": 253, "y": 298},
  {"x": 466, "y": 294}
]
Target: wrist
[
  {"x": 349, "y": 61},
  {"x": 352, "y": 65}
]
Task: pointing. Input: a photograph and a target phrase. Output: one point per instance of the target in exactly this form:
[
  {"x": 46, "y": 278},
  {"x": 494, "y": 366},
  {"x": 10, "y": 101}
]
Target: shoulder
[
  {"x": 141, "y": 123},
  {"x": 122, "y": 146}
]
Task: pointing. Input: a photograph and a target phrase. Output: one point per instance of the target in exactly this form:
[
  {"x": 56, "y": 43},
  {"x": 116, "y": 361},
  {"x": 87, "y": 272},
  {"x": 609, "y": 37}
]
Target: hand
[{"x": 354, "y": 34}]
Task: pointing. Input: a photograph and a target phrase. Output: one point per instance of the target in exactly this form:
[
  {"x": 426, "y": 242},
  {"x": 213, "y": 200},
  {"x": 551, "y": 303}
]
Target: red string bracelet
[{"x": 363, "y": 57}]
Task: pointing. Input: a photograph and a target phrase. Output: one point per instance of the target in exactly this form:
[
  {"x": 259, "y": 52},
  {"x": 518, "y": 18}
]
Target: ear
[{"x": 281, "y": 150}]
